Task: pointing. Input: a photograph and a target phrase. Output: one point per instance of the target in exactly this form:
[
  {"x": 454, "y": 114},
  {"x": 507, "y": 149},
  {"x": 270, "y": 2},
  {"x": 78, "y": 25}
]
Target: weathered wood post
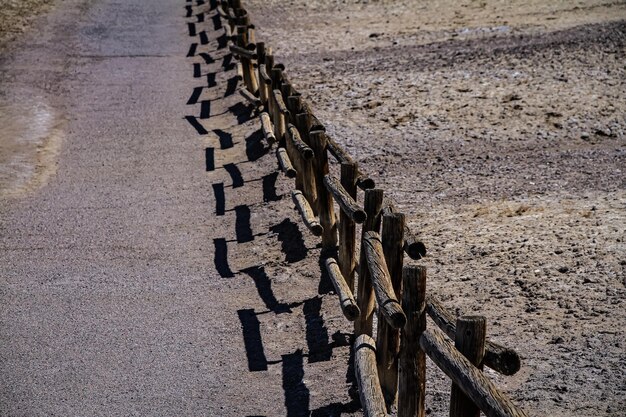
[
  {"x": 325, "y": 208},
  {"x": 388, "y": 339},
  {"x": 469, "y": 340},
  {"x": 370, "y": 394},
  {"x": 373, "y": 201},
  {"x": 249, "y": 77},
  {"x": 263, "y": 82},
  {"x": 347, "y": 227},
  {"x": 412, "y": 361}
]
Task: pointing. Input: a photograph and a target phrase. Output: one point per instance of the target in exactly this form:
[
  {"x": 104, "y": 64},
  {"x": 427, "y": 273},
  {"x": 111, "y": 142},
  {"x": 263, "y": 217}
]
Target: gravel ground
[
  {"x": 499, "y": 128},
  {"x": 16, "y": 15}
]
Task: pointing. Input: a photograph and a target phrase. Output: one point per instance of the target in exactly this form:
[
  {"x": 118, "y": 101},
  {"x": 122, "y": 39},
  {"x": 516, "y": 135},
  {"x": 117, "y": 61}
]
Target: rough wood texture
[
  {"x": 412, "y": 361},
  {"x": 470, "y": 379},
  {"x": 267, "y": 128},
  {"x": 285, "y": 163},
  {"x": 388, "y": 339},
  {"x": 388, "y": 304},
  {"x": 347, "y": 228},
  {"x": 303, "y": 149},
  {"x": 346, "y": 299},
  {"x": 371, "y": 396},
  {"x": 372, "y": 203},
  {"x": 325, "y": 207},
  {"x": 311, "y": 222},
  {"x": 280, "y": 127},
  {"x": 412, "y": 245},
  {"x": 345, "y": 201},
  {"x": 302, "y": 155},
  {"x": 244, "y": 52},
  {"x": 363, "y": 181},
  {"x": 250, "y": 97},
  {"x": 239, "y": 71},
  {"x": 264, "y": 77},
  {"x": 470, "y": 342},
  {"x": 497, "y": 357}
]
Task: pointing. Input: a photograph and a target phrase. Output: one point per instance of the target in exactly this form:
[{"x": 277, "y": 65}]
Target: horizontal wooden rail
[
  {"x": 303, "y": 206},
  {"x": 285, "y": 163},
  {"x": 244, "y": 52},
  {"x": 370, "y": 393},
  {"x": 497, "y": 357},
  {"x": 467, "y": 377},
  {"x": 388, "y": 304},
  {"x": 250, "y": 97},
  {"x": 362, "y": 181},
  {"x": 267, "y": 127},
  {"x": 303, "y": 149},
  {"x": 280, "y": 103},
  {"x": 346, "y": 299},
  {"x": 345, "y": 201},
  {"x": 264, "y": 76}
]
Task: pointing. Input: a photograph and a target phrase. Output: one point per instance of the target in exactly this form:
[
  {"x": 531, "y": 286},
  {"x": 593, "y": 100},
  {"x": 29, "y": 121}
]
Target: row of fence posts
[{"x": 391, "y": 370}]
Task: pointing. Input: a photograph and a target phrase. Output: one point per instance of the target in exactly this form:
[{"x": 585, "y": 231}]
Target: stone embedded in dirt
[
  {"x": 563, "y": 269},
  {"x": 511, "y": 97},
  {"x": 584, "y": 135}
]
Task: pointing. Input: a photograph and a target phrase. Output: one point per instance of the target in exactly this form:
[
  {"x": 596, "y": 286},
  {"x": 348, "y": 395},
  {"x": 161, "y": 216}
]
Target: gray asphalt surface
[{"x": 110, "y": 301}]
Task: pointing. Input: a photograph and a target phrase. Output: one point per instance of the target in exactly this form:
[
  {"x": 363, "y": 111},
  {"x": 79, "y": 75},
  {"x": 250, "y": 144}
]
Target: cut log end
[
  {"x": 365, "y": 183},
  {"x": 359, "y": 216},
  {"x": 316, "y": 229},
  {"x": 415, "y": 250},
  {"x": 351, "y": 311},
  {"x": 508, "y": 360}
]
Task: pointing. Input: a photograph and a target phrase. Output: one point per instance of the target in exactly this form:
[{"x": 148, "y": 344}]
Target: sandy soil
[
  {"x": 16, "y": 15},
  {"x": 499, "y": 129}
]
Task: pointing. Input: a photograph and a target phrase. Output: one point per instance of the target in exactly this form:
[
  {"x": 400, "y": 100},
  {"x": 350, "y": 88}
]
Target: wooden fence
[{"x": 390, "y": 369}]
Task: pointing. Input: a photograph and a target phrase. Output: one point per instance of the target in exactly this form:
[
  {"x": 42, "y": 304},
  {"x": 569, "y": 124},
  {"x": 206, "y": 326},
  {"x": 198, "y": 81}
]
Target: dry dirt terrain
[
  {"x": 152, "y": 261},
  {"x": 499, "y": 128}
]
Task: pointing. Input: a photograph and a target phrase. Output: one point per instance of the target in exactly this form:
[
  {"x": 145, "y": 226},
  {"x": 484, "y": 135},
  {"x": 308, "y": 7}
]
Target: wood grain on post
[
  {"x": 372, "y": 202},
  {"x": 325, "y": 209},
  {"x": 239, "y": 71},
  {"x": 388, "y": 339},
  {"x": 497, "y": 357},
  {"x": 370, "y": 394},
  {"x": 412, "y": 245},
  {"x": 285, "y": 162},
  {"x": 269, "y": 64},
  {"x": 345, "y": 200},
  {"x": 346, "y": 299},
  {"x": 347, "y": 228},
  {"x": 471, "y": 380},
  {"x": 470, "y": 342},
  {"x": 310, "y": 221},
  {"x": 388, "y": 304},
  {"x": 412, "y": 360}
]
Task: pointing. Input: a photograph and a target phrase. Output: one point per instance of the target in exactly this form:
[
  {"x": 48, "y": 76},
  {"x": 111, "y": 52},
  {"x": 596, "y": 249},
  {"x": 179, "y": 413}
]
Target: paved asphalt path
[{"x": 110, "y": 301}]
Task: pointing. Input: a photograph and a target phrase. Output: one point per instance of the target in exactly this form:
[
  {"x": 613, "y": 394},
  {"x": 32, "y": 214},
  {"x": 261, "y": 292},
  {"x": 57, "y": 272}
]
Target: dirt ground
[
  {"x": 499, "y": 128},
  {"x": 16, "y": 15}
]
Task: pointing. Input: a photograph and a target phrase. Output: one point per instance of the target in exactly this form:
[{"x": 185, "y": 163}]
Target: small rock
[
  {"x": 563, "y": 269},
  {"x": 556, "y": 340},
  {"x": 511, "y": 97},
  {"x": 584, "y": 135}
]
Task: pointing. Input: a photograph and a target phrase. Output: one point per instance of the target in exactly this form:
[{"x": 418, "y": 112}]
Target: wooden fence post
[
  {"x": 469, "y": 340},
  {"x": 388, "y": 339},
  {"x": 325, "y": 208},
  {"x": 373, "y": 201},
  {"x": 412, "y": 361},
  {"x": 347, "y": 228}
]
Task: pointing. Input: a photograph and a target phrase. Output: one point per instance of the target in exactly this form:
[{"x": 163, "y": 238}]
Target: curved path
[{"x": 159, "y": 271}]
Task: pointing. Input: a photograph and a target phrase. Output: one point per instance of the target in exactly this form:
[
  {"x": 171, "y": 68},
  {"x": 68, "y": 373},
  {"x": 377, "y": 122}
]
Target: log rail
[{"x": 390, "y": 368}]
